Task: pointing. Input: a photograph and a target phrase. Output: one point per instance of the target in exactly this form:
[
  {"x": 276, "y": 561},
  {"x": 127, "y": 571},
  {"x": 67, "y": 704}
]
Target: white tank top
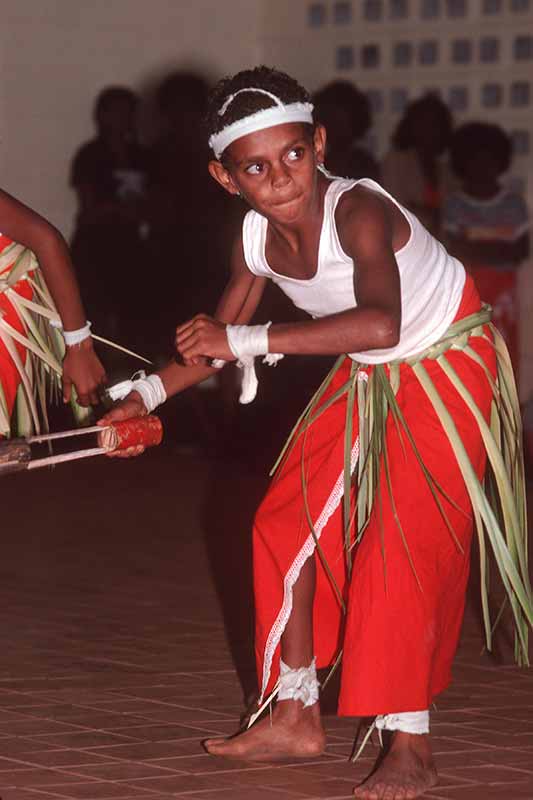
[{"x": 431, "y": 280}]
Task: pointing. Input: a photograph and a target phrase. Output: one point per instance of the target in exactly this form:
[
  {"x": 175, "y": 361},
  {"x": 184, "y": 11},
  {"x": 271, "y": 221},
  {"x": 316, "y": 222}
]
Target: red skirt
[
  {"x": 9, "y": 375},
  {"x": 400, "y": 634}
]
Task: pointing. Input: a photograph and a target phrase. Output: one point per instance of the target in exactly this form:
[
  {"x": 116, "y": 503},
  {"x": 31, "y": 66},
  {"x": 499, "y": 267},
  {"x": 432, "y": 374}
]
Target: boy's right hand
[{"x": 131, "y": 406}]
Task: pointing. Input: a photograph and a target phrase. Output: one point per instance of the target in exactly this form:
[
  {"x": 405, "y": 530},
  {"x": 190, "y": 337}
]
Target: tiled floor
[{"x": 117, "y": 579}]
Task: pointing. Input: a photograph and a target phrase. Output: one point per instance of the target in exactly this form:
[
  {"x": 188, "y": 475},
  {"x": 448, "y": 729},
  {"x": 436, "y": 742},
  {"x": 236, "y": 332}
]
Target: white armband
[
  {"x": 150, "y": 388},
  {"x": 246, "y": 342},
  {"x": 73, "y": 337}
]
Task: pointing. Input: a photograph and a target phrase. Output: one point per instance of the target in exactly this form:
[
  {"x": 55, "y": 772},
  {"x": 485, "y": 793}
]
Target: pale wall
[{"x": 56, "y": 55}]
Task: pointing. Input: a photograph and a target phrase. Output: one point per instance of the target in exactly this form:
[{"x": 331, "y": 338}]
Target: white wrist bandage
[
  {"x": 298, "y": 684},
  {"x": 246, "y": 342},
  {"x": 73, "y": 337},
  {"x": 150, "y": 388},
  {"x": 408, "y": 722}
]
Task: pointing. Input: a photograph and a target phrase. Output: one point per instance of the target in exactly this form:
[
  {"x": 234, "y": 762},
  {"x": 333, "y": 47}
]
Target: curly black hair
[
  {"x": 474, "y": 137},
  {"x": 271, "y": 80}
]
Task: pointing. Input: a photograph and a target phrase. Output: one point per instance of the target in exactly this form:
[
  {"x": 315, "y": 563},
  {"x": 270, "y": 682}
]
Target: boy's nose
[{"x": 280, "y": 177}]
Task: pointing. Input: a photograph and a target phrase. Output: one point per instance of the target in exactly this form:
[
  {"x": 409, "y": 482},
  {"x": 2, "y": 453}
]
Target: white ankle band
[
  {"x": 408, "y": 722},
  {"x": 298, "y": 684},
  {"x": 246, "y": 342}
]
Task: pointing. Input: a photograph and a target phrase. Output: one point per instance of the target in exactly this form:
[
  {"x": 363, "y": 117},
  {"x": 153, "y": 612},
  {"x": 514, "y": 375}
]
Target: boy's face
[{"x": 274, "y": 169}]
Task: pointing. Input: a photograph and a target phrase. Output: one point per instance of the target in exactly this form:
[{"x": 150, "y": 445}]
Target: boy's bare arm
[
  {"x": 365, "y": 228},
  {"x": 366, "y": 234}
]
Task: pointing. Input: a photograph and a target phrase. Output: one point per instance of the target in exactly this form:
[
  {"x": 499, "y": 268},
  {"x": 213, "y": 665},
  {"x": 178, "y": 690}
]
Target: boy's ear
[
  {"x": 219, "y": 172},
  {"x": 319, "y": 142}
]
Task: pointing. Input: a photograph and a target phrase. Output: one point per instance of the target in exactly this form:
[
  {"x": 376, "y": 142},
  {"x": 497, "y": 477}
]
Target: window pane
[
  {"x": 402, "y": 54},
  {"x": 489, "y": 49},
  {"x": 520, "y": 5},
  {"x": 520, "y": 93},
  {"x": 373, "y": 9},
  {"x": 492, "y": 6},
  {"x": 430, "y": 9},
  {"x": 521, "y": 143},
  {"x": 399, "y": 9},
  {"x": 458, "y": 98},
  {"x": 375, "y": 98},
  {"x": 316, "y": 15},
  {"x": 523, "y": 48},
  {"x": 398, "y": 100},
  {"x": 491, "y": 95},
  {"x": 428, "y": 52},
  {"x": 345, "y": 57},
  {"x": 370, "y": 56},
  {"x": 456, "y": 8},
  {"x": 461, "y": 51},
  {"x": 342, "y": 13}
]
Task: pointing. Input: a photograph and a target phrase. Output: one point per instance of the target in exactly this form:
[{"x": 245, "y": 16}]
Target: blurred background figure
[
  {"x": 109, "y": 175},
  {"x": 345, "y": 112},
  {"x": 486, "y": 224},
  {"x": 190, "y": 230},
  {"x": 186, "y": 211},
  {"x": 413, "y": 171}
]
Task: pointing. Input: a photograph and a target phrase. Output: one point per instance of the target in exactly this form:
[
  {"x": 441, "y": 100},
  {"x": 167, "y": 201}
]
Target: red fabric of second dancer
[
  {"x": 418, "y": 618},
  {"x": 9, "y": 375}
]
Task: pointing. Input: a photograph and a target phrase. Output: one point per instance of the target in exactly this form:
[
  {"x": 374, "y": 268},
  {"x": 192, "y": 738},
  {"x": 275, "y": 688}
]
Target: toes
[{"x": 211, "y": 744}]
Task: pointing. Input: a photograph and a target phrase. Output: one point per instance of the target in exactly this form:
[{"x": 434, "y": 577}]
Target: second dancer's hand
[
  {"x": 201, "y": 339},
  {"x": 83, "y": 370},
  {"x": 131, "y": 406}
]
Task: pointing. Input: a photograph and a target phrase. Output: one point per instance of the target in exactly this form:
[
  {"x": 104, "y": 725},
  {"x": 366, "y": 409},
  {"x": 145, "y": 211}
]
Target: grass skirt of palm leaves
[
  {"x": 41, "y": 370},
  {"x": 498, "y": 502}
]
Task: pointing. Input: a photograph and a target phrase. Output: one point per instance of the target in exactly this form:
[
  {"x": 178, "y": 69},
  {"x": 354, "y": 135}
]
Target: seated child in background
[{"x": 487, "y": 224}]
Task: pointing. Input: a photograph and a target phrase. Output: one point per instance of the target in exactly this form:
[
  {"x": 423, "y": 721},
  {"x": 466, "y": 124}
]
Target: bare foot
[
  {"x": 406, "y": 772},
  {"x": 293, "y": 732}
]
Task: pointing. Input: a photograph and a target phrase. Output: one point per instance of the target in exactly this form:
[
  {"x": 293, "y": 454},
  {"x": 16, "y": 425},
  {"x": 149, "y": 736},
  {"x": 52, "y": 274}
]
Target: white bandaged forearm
[
  {"x": 407, "y": 721},
  {"x": 298, "y": 684},
  {"x": 150, "y": 388},
  {"x": 246, "y": 342},
  {"x": 73, "y": 337}
]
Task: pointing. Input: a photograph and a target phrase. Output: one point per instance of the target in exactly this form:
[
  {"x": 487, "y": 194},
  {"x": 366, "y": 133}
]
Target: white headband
[{"x": 280, "y": 114}]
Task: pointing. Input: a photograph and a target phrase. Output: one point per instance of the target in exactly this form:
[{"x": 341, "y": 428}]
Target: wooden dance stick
[{"x": 15, "y": 454}]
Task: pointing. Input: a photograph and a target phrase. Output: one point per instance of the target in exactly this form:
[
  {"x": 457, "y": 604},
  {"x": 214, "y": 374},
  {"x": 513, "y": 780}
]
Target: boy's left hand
[
  {"x": 202, "y": 338},
  {"x": 83, "y": 370}
]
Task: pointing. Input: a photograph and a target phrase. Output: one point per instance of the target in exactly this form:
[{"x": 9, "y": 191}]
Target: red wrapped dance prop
[
  {"x": 145, "y": 431},
  {"x": 15, "y": 454}
]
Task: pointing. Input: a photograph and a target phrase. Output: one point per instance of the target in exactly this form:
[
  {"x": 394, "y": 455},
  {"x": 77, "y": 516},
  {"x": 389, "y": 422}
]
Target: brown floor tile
[{"x": 119, "y": 662}]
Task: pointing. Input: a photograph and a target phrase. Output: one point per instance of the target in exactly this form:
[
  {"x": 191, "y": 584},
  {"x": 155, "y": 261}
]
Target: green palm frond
[{"x": 498, "y": 503}]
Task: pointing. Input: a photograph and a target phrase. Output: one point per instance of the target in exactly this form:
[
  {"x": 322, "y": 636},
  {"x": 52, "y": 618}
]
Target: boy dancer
[{"x": 372, "y": 506}]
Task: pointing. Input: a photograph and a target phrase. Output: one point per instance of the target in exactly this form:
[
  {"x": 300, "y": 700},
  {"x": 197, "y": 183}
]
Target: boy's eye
[
  {"x": 295, "y": 154},
  {"x": 254, "y": 169}
]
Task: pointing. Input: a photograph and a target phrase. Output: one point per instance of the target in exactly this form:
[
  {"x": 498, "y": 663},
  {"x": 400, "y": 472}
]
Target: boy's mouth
[{"x": 287, "y": 202}]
